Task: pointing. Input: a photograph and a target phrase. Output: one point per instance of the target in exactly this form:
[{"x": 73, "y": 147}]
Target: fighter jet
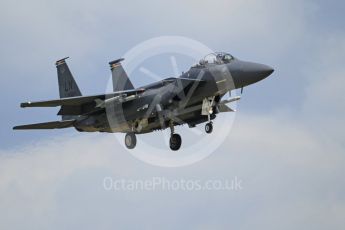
[{"x": 194, "y": 97}]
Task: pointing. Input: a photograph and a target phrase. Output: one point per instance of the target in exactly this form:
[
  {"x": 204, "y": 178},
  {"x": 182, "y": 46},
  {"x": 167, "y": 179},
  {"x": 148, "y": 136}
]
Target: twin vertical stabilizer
[
  {"x": 67, "y": 85},
  {"x": 120, "y": 79}
]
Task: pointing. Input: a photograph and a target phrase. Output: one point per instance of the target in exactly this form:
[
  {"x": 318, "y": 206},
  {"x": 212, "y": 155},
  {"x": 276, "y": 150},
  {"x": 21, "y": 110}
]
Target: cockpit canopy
[{"x": 216, "y": 58}]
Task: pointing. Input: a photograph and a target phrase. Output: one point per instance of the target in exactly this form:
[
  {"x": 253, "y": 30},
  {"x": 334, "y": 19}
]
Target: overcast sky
[{"x": 286, "y": 143}]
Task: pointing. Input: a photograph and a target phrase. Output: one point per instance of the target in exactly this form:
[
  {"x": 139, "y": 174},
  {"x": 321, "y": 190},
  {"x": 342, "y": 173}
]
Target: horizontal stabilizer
[{"x": 47, "y": 125}]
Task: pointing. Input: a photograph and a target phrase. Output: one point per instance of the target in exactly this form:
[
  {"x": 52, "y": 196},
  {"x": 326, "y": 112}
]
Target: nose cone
[
  {"x": 254, "y": 72},
  {"x": 263, "y": 70},
  {"x": 258, "y": 71}
]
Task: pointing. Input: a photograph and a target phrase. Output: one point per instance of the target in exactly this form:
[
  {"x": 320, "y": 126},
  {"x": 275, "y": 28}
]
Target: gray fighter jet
[{"x": 195, "y": 97}]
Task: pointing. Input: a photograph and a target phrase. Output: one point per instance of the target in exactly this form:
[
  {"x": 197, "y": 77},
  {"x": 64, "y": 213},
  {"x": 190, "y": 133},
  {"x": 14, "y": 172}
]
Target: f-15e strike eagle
[{"x": 194, "y": 97}]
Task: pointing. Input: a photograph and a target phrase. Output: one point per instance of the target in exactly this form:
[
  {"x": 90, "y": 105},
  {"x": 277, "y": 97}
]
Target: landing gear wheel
[
  {"x": 209, "y": 127},
  {"x": 130, "y": 140},
  {"x": 175, "y": 142}
]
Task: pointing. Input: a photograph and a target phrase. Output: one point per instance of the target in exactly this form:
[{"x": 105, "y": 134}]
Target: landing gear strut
[
  {"x": 130, "y": 140},
  {"x": 175, "y": 140}
]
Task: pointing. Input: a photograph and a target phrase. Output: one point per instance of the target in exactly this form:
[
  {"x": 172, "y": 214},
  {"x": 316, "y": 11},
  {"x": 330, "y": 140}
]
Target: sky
[{"x": 286, "y": 143}]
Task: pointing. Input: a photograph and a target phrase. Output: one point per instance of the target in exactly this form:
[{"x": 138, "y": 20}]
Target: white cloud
[{"x": 290, "y": 177}]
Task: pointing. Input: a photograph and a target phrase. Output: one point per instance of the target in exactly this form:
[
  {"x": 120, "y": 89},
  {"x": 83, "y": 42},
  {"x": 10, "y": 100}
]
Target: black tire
[
  {"x": 209, "y": 128},
  {"x": 130, "y": 140},
  {"x": 175, "y": 142}
]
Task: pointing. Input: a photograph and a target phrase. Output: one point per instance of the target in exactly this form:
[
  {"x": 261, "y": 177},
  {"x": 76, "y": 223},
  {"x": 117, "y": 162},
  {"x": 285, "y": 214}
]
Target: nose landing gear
[{"x": 207, "y": 109}]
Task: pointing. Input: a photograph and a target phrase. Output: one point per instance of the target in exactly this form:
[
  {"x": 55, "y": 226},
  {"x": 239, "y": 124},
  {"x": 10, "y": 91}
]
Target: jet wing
[
  {"x": 47, "y": 125},
  {"x": 80, "y": 100},
  {"x": 81, "y": 105}
]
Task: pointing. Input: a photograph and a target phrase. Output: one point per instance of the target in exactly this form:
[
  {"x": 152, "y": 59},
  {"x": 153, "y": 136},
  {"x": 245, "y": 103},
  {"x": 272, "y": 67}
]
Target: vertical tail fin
[
  {"x": 67, "y": 85},
  {"x": 120, "y": 78}
]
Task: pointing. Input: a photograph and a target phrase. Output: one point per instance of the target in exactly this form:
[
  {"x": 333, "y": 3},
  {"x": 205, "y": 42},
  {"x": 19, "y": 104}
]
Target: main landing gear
[
  {"x": 209, "y": 127},
  {"x": 175, "y": 140},
  {"x": 130, "y": 140}
]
